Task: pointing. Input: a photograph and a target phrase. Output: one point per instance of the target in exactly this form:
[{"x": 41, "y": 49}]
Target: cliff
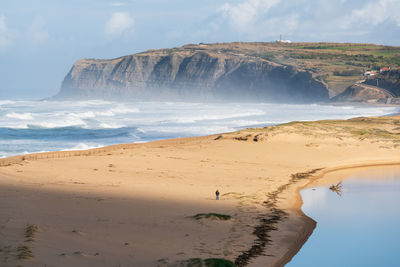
[
  {"x": 191, "y": 74},
  {"x": 279, "y": 72},
  {"x": 364, "y": 93},
  {"x": 388, "y": 80},
  {"x": 383, "y": 88}
]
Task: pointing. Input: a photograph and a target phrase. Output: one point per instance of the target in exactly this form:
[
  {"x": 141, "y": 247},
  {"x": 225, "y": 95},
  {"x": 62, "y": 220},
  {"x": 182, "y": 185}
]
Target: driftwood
[{"x": 337, "y": 188}]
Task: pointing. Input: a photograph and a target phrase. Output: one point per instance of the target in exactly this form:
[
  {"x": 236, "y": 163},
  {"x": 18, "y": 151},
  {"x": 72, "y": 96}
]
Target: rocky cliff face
[
  {"x": 190, "y": 75},
  {"x": 364, "y": 93},
  {"x": 389, "y": 80},
  {"x": 368, "y": 91}
]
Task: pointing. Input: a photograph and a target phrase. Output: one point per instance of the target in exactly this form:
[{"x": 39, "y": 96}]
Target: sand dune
[{"x": 133, "y": 204}]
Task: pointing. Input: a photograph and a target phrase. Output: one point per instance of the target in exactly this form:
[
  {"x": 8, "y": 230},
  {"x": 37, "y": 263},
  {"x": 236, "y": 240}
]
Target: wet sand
[{"x": 133, "y": 204}]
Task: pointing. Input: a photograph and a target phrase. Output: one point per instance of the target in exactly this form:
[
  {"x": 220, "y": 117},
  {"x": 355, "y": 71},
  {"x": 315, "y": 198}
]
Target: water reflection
[{"x": 357, "y": 227}]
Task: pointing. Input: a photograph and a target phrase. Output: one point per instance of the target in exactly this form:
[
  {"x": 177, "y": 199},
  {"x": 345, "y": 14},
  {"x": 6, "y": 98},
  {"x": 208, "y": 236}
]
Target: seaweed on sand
[
  {"x": 210, "y": 262},
  {"x": 212, "y": 215},
  {"x": 269, "y": 222}
]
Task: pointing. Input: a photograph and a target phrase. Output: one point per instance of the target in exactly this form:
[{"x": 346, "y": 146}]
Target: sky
[{"x": 41, "y": 39}]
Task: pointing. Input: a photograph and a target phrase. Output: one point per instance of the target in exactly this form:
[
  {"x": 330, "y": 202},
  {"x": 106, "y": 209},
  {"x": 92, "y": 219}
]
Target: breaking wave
[{"x": 32, "y": 126}]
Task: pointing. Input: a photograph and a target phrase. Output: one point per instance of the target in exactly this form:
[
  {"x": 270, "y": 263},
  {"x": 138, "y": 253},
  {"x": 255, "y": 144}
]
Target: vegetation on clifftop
[
  {"x": 270, "y": 72},
  {"x": 338, "y": 65}
]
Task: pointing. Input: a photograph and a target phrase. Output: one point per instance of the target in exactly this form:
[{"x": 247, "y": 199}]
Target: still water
[{"x": 359, "y": 228}]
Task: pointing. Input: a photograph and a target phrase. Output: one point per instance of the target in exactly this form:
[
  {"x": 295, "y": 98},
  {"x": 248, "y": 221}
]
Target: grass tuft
[
  {"x": 24, "y": 253},
  {"x": 216, "y": 262},
  {"x": 218, "y": 137},
  {"x": 30, "y": 232}
]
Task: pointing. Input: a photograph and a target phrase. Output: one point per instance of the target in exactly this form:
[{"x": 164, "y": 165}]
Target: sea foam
[{"x": 33, "y": 126}]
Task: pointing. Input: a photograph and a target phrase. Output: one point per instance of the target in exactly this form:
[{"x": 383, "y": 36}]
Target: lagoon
[{"x": 358, "y": 228}]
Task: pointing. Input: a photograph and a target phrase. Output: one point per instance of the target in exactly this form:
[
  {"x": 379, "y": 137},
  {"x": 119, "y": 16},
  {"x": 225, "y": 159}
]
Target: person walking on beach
[{"x": 217, "y": 195}]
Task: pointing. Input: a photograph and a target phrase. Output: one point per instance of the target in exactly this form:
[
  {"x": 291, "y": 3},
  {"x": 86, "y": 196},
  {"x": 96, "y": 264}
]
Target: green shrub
[{"x": 214, "y": 262}]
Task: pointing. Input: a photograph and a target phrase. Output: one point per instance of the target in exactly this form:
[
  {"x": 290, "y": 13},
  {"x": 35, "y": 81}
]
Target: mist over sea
[{"x": 38, "y": 126}]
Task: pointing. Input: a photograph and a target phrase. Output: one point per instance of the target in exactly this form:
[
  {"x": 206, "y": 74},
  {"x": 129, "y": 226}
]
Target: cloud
[
  {"x": 6, "y": 35},
  {"x": 247, "y": 13},
  {"x": 119, "y": 23},
  {"x": 3, "y": 26},
  {"x": 37, "y": 34},
  {"x": 377, "y": 12},
  {"x": 305, "y": 20},
  {"x": 116, "y": 4}
]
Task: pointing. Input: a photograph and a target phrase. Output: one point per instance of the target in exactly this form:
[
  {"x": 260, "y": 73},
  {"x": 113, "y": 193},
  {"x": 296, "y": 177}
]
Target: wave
[
  {"x": 6, "y": 102},
  {"x": 80, "y": 103},
  {"x": 5, "y": 154},
  {"x": 211, "y": 117},
  {"x": 183, "y": 131},
  {"x": 75, "y": 125},
  {"x": 83, "y": 146},
  {"x": 64, "y": 133},
  {"x": 118, "y": 110},
  {"x": 347, "y": 107},
  {"x": 83, "y": 115},
  {"x": 20, "y": 116},
  {"x": 67, "y": 122},
  {"x": 254, "y": 123},
  {"x": 107, "y": 113}
]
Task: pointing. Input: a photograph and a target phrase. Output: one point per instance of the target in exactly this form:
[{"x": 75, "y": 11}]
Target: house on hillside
[
  {"x": 370, "y": 74},
  {"x": 283, "y": 41},
  {"x": 384, "y": 69}
]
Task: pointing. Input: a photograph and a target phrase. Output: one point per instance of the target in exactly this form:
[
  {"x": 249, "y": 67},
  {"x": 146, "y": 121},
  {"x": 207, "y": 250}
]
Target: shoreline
[
  {"x": 308, "y": 227},
  {"x": 309, "y": 223},
  {"x": 319, "y": 177},
  {"x": 282, "y": 208},
  {"x": 39, "y": 128}
]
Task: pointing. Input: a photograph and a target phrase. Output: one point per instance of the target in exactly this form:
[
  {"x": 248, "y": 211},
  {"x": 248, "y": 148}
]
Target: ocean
[{"x": 39, "y": 126}]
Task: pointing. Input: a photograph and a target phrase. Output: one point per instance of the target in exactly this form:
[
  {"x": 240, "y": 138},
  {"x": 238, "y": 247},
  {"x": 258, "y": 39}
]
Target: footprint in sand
[
  {"x": 77, "y": 232},
  {"x": 79, "y": 254}
]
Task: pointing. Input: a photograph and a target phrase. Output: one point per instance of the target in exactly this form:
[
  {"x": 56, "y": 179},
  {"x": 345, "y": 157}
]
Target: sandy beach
[{"x": 135, "y": 204}]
